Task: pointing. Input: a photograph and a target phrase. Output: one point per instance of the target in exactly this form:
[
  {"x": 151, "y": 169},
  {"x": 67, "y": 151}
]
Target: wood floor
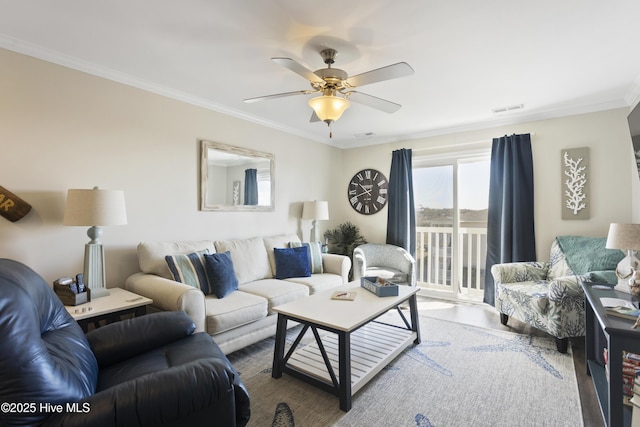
[{"x": 485, "y": 316}]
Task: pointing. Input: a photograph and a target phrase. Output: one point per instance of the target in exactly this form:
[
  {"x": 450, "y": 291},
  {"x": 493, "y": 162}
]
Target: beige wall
[
  {"x": 62, "y": 129},
  {"x": 611, "y": 172}
]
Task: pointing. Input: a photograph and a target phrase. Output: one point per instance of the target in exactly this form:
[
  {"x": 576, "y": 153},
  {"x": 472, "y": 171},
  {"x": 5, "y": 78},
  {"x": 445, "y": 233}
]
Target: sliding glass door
[{"x": 451, "y": 197}]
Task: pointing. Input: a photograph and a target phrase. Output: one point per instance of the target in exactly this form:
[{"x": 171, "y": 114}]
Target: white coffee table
[{"x": 358, "y": 346}]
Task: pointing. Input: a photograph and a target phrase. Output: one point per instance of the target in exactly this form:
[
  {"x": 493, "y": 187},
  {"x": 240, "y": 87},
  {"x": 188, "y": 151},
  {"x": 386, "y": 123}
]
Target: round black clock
[{"x": 368, "y": 191}]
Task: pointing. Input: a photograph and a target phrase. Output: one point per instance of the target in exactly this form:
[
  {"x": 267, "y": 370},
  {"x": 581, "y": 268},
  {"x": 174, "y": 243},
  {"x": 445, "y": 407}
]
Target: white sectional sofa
[{"x": 244, "y": 316}]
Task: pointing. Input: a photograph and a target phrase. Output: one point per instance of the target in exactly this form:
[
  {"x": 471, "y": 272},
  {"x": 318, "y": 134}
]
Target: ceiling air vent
[
  {"x": 364, "y": 135},
  {"x": 506, "y": 110}
]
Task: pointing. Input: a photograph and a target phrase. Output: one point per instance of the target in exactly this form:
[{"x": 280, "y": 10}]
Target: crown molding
[
  {"x": 502, "y": 122},
  {"x": 74, "y": 63},
  {"x": 633, "y": 96}
]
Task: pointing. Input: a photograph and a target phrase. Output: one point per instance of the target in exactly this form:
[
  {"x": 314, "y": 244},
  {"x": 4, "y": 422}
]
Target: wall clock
[{"x": 368, "y": 191}]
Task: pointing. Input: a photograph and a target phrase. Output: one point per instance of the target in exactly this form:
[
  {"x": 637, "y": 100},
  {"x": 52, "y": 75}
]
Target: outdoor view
[{"x": 440, "y": 265}]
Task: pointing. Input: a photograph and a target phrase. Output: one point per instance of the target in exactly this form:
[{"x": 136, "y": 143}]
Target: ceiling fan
[{"x": 332, "y": 82}]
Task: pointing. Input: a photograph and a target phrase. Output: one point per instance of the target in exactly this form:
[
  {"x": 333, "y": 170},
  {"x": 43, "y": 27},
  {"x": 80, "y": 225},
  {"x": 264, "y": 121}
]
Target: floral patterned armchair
[{"x": 548, "y": 295}]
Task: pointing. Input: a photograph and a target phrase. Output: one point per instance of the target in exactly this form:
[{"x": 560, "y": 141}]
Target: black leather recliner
[{"x": 147, "y": 371}]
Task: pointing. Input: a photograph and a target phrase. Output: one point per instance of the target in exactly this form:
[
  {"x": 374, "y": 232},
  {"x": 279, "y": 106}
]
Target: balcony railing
[{"x": 435, "y": 260}]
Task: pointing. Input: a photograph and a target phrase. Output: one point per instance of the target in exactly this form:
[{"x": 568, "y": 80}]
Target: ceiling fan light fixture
[{"x": 329, "y": 108}]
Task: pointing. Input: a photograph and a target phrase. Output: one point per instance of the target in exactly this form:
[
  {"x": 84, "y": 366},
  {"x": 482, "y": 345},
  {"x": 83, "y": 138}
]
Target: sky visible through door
[{"x": 433, "y": 192}]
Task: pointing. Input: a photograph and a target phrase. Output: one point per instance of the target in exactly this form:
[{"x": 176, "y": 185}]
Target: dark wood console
[{"x": 614, "y": 334}]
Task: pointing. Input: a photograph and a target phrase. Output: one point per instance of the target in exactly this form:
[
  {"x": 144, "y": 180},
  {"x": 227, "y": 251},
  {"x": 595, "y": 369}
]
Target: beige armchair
[{"x": 390, "y": 262}]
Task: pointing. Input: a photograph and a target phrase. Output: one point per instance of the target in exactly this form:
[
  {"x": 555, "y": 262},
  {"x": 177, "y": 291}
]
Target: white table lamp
[
  {"x": 315, "y": 211},
  {"x": 95, "y": 208},
  {"x": 625, "y": 237}
]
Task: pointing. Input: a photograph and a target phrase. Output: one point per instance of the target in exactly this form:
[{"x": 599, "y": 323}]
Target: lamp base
[
  {"x": 623, "y": 287},
  {"x": 625, "y": 271},
  {"x": 99, "y": 292},
  {"x": 313, "y": 237},
  {"x": 94, "y": 275}
]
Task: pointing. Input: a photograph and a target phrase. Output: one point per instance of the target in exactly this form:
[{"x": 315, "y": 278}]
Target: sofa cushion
[
  {"x": 315, "y": 255},
  {"x": 237, "y": 309},
  {"x": 280, "y": 241},
  {"x": 276, "y": 292},
  {"x": 318, "y": 282},
  {"x": 189, "y": 269},
  {"x": 151, "y": 254},
  {"x": 176, "y": 353},
  {"x": 292, "y": 262},
  {"x": 220, "y": 273},
  {"x": 250, "y": 259}
]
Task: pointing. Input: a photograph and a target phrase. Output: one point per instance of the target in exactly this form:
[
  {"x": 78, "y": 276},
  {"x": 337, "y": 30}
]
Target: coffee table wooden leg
[
  {"x": 344, "y": 349},
  {"x": 415, "y": 321},
  {"x": 278, "y": 352}
]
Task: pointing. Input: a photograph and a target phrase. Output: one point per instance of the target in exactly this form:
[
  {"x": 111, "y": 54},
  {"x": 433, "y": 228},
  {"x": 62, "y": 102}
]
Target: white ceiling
[{"x": 556, "y": 57}]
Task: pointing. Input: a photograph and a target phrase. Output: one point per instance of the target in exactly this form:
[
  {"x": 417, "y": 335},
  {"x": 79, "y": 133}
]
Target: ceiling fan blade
[
  {"x": 373, "y": 102},
  {"x": 314, "y": 117},
  {"x": 278, "y": 95},
  {"x": 298, "y": 68},
  {"x": 401, "y": 69}
]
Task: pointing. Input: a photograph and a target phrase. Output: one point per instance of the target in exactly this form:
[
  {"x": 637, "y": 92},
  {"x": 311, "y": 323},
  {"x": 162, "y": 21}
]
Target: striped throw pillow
[
  {"x": 315, "y": 255},
  {"x": 189, "y": 269}
]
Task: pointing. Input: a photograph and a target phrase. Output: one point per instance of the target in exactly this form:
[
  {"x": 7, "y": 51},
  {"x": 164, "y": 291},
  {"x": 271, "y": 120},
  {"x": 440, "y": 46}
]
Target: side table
[
  {"x": 109, "y": 308},
  {"x": 614, "y": 334}
]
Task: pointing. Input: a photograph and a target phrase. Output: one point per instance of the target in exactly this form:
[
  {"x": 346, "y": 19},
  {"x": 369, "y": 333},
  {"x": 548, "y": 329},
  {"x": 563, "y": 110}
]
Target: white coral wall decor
[
  {"x": 236, "y": 193},
  {"x": 575, "y": 183}
]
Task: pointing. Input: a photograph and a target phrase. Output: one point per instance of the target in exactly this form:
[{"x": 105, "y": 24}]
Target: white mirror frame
[{"x": 229, "y": 153}]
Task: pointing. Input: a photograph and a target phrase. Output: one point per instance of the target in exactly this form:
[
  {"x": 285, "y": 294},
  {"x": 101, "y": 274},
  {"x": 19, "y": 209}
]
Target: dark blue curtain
[
  {"x": 251, "y": 187},
  {"x": 401, "y": 219},
  {"x": 510, "y": 227}
]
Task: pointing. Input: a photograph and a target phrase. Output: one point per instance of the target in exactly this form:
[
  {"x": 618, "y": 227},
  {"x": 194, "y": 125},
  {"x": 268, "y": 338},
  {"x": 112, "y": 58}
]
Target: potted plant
[{"x": 344, "y": 239}]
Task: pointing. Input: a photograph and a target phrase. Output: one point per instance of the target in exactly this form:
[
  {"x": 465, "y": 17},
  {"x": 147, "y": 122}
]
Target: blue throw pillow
[
  {"x": 221, "y": 274},
  {"x": 292, "y": 262},
  {"x": 315, "y": 255}
]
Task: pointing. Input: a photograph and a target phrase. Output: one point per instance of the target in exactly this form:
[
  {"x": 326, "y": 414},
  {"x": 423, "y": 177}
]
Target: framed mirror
[{"x": 235, "y": 178}]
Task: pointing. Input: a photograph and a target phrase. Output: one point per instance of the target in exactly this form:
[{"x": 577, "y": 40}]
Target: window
[{"x": 264, "y": 187}]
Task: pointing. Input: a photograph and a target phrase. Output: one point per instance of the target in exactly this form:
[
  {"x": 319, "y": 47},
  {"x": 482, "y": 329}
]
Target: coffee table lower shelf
[{"x": 373, "y": 347}]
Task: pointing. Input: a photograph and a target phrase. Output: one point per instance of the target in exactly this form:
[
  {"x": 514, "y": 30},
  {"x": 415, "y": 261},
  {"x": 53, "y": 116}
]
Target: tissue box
[{"x": 380, "y": 287}]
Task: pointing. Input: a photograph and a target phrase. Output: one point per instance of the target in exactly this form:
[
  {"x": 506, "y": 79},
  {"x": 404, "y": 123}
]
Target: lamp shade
[
  {"x": 95, "y": 207},
  {"x": 329, "y": 108},
  {"x": 624, "y": 237},
  {"x": 316, "y": 210}
]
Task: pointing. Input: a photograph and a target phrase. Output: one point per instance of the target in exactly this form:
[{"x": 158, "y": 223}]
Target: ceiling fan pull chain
[{"x": 330, "y": 131}]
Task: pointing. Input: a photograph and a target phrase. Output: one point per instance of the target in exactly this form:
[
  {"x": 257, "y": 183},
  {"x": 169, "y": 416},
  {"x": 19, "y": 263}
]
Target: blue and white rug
[{"x": 459, "y": 375}]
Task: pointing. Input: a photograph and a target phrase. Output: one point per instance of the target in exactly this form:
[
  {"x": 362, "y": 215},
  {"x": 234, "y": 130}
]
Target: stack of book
[
  {"x": 630, "y": 373},
  {"x": 630, "y": 376},
  {"x": 624, "y": 312},
  {"x": 635, "y": 403},
  {"x": 620, "y": 308}
]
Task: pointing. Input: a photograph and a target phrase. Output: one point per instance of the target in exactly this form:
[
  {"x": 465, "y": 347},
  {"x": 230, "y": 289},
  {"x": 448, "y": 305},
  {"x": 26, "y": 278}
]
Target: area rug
[{"x": 459, "y": 375}]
